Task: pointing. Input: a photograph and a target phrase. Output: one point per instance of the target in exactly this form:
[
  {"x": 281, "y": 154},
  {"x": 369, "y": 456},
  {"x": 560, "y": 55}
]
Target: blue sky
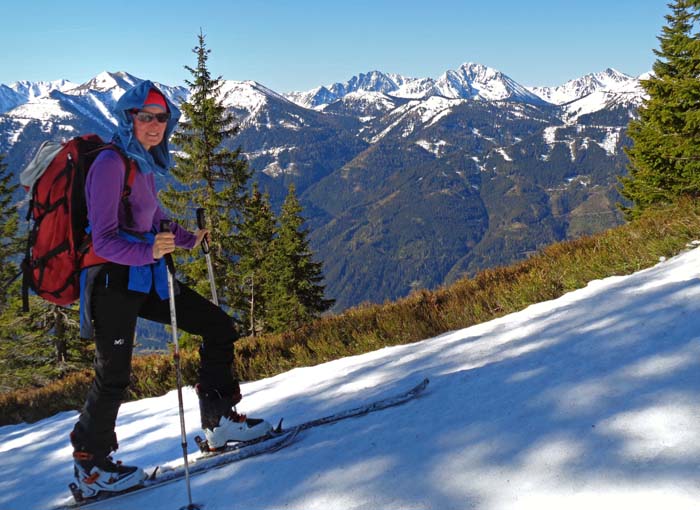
[{"x": 299, "y": 44}]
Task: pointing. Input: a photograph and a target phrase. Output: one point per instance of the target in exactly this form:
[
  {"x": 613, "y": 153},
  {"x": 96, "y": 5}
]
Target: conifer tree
[
  {"x": 10, "y": 244},
  {"x": 665, "y": 155},
  {"x": 295, "y": 295},
  {"x": 256, "y": 237},
  {"x": 211, "y": 176},
  {"x": 43, "y": 344}
]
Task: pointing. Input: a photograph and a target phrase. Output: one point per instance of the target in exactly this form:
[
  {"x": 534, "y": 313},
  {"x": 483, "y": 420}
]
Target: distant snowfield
[{"x": 590, "y": 401}]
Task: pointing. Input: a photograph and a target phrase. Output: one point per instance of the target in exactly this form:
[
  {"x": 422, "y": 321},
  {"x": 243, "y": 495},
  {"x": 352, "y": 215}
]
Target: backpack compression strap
[{"x": 88, "y": 256}]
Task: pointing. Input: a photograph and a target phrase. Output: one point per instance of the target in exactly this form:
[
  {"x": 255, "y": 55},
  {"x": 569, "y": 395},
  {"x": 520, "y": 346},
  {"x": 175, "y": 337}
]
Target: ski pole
[
  {"x": 170, "y": 269},
  {"x": 201, "y": 223}
]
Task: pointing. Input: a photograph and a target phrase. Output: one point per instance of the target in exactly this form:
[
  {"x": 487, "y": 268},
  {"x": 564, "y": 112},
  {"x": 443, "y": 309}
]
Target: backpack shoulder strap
[{"x": 129, "y": 177}]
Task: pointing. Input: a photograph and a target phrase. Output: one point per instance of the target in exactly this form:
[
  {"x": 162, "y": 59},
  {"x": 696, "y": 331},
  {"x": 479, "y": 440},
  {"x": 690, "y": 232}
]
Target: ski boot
[
  {"x": 234, "y": 427},
  {"x": 222, "y": 424},
  {"x": 94, "y": 476}
]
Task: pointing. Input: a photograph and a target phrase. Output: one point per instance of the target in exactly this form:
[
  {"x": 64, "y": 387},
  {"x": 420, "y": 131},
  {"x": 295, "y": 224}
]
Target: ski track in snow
[{"x": 587, "y": 401}]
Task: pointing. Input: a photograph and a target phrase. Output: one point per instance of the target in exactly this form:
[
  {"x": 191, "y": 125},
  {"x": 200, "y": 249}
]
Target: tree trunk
[{"x": 60, "y": 337}]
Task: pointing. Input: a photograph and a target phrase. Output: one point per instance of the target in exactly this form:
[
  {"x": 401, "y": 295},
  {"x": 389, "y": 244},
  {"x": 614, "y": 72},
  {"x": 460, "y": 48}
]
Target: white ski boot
[
  {"x": 234, "y": 427},
  {"x": 103, "y": 475}
]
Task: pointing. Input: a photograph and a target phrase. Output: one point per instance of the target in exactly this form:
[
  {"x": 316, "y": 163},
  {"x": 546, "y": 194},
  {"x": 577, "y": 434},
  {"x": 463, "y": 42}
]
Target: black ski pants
[{"x": 114, "y": 312}]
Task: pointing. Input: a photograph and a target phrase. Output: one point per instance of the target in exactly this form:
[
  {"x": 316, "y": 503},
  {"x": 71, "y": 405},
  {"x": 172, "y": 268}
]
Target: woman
[{"x": 131, "y": 283}]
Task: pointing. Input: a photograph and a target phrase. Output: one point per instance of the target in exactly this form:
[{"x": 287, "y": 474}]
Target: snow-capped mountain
[
  {"x": 34, "y": 100},
  {"x": 249, "y": 97},
  {"x": 377, "y": 158},
  {"x": 594, "y": 92},
  {"x": 608, "y": 80},
  {"x": 470, "y": 81},
  {"x": 312, "y": 98},
  {"x": 62, "y": 109},
  {"x": 373, "y": 81},
  {"x": 9, "y": 98},
  {"x": 107, "y": 88},
  {"x": 31, "y": 90},
  {"x": 604, "y": 100},
  {"x": 106, "y": 81},
  {"x": 476, "y": 81},
  {"x": 22, "y": 92},
  {"x": 365, "y": 104}
]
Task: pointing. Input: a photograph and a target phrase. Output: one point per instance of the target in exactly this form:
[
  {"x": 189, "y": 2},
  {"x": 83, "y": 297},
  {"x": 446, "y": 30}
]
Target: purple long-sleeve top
[{"x": 106, "y": 214}]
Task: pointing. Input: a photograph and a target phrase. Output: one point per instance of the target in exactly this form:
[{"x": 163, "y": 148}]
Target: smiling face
[{"x": 149, "y": 134}]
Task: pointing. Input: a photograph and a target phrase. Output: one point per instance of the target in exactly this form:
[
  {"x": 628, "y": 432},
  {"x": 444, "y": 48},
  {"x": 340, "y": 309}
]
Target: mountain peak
[
  {"x": 248, "y": 95},
  {"x": 32, "y": 90},
  {"x": 107, "y": 81},
  {"x": 372, "y": 81},
  {"x": 607, "y": 80},
  {"x": 477, "y": 81},
  {"x": 470, "y": 81},
  {"x": 478, "y": 71}
]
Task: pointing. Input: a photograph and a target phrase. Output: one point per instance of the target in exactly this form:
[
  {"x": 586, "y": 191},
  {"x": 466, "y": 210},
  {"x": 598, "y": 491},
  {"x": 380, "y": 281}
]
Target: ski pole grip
[
  {"x": 201, "y": 223},
  {"x": 201, "y": 220},
  {"x": 165, "y": 226}
]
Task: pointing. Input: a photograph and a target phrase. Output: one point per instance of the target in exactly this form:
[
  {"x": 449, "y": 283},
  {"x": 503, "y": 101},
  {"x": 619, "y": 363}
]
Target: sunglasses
[{"x": 146, "y": 117}]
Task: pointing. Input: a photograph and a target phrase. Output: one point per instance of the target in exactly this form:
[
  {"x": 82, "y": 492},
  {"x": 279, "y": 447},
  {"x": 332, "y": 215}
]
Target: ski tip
[{"x": 422, "y": 385}]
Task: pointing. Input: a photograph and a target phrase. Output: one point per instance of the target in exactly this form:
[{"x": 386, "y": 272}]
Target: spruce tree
[
  {"x": 10, "y": 243},
  {"x": 43, "y": 344},
  {"x": 295, "y": 295},
  {"x": 256, "y": 237},
  {"x": 211, "y": 176},
  {"x": 665, "y": 155}
]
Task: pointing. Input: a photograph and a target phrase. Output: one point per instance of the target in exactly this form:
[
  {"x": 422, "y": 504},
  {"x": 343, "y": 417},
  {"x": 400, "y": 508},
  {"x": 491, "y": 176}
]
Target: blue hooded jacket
[{"x": 158, "y": 158}]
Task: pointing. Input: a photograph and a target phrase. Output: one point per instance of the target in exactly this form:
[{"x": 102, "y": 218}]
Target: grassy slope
[{"x": 556, "y": 270}]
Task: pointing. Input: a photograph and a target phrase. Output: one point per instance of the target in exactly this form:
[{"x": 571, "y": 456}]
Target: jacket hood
[{"x": 158, "y": 158}]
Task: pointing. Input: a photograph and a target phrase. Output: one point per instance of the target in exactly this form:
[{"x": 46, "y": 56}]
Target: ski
[
  {"x": 377, "y": 405},
  {"x": 349, "y": 413},
  {"x": 165, "y": 475},
  {"x": 235, "y": 452}
]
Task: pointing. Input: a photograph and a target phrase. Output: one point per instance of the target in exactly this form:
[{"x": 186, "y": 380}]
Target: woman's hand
[
  {"x": 202, "y": 233},
  {"x": 163, "y": 244}
]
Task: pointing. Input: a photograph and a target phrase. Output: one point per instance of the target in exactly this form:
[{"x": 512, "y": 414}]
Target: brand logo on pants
[{"x": 119, "y": 341}]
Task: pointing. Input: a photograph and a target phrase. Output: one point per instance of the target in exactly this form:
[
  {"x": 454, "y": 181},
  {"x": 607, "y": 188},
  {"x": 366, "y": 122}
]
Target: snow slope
[{"x": 587, "y": 401}]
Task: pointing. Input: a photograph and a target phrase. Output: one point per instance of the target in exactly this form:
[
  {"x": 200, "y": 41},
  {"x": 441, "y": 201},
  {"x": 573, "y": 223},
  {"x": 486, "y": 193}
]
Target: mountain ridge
[
  {"x": 504, "y": 170},
  {"x": 469, "y": 81}
]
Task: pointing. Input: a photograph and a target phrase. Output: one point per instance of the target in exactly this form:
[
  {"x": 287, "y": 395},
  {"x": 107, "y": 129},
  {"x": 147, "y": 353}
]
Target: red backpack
[{"x": 59, "y": 246}]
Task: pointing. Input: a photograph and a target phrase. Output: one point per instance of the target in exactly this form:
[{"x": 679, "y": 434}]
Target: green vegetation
[
  {"x": 665, "y": 156},
  {"x": 550, "y": 273},
  {"x": 294, "y": 294},
  {"x": 42, "y": 345},
  {"x": 264, "y": 274},
  {"x": 267, "y": 271},
  {"x": 210, "y": 176}
]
